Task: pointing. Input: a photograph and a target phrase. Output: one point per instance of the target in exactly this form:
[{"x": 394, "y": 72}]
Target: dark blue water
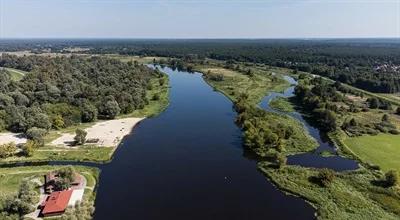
[
  {"x": 314, "y": 158},
  {"x": 188, "y": 163}
]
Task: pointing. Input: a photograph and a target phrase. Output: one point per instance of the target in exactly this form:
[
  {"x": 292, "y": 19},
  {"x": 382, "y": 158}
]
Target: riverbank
[{"x": 368, "y": 201}]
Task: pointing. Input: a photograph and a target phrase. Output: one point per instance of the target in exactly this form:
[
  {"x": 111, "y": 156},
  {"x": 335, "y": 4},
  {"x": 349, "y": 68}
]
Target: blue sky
[{"x": 199, "y": 18}]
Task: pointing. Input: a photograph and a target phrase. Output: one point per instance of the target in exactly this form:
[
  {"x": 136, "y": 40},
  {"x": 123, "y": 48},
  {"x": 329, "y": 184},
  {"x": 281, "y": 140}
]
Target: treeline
[
  {"x": 370, "y": 64},
  {"x": 63, "y": 91}
]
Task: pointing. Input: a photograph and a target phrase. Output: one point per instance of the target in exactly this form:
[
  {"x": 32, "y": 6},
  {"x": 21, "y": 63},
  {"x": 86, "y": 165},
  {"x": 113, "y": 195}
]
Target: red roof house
[{"x": 56, "y": 203}]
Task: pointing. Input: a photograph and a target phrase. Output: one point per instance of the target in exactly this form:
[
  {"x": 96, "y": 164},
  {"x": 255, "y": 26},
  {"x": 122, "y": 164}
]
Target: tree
[
  {"x": 385, "y": 118},
  {"x": 67, "y": 173},
  {"x": 392, "y": 178},
  {"x": 398, "y": 111},
  {"x": 29, "y": 148},
  {"x": 110, "y": 109},
  {"x": 280, "y": 160},
  {"x": 89, "y": 112},
  {"x": 80, "y": 136},
  {"x": 7, "y": 150},
  {"x": 326, "y": 177},
  {"x": 373, "y": 103},
  {"x": 37, "y": 135}
]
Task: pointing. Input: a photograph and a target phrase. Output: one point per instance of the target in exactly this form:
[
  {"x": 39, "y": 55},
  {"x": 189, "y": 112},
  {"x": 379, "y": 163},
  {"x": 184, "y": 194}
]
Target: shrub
[
  {"x": 326, "y": 177},
  {"x": 7, "y": 150},
  {"x": 392, "y": 178},
  {"x": 156, "y": 97},
  {"x": 37, "y": 135},
  {"x": 80, "y": 136}
]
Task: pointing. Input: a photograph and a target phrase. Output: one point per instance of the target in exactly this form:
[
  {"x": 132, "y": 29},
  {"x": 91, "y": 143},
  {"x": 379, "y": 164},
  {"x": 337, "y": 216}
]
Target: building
[{"x": 56, "y": 203}]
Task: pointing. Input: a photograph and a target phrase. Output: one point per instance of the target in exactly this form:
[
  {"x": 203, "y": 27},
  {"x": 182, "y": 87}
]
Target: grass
[
  {"x": 282, "y": 104},
  {"x": 382, "y": 150},
  {"x": 86, "y": 153},
  {"x": 11, "y": 178},
  {"x": 236, "y": 83},
  {"x": 15, "y": 74},
  {"x": 351, "y": 195}
]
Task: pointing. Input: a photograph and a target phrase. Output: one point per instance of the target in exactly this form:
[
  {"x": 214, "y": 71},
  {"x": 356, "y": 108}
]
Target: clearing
[{"x": 382, "y": 150}]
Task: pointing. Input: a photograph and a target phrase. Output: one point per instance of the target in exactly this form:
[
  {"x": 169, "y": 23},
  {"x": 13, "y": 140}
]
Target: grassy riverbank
[
  {"x": 351, "y": 195},
  {"x": 282, "y": 104}
]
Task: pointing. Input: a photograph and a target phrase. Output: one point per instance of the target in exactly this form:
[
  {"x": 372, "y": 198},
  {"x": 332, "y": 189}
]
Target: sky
[{"x": 199, "y": 18}]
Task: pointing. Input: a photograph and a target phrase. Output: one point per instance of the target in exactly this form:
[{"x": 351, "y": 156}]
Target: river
[{"x": 189, "y": 163}]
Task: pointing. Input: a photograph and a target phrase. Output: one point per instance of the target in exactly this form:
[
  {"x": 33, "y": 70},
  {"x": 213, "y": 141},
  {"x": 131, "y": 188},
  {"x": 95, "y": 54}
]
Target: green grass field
[
  {"x": 382, "y": 150},
  {"x": 15, "y": 74}
]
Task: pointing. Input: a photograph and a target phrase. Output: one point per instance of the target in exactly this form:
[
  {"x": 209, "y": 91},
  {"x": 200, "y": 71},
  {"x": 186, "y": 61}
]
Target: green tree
[
  {"x": 89, "y": 112},
  {"x": 7, "y": 150},
  {"x": 80, "y": 136},
  {"x": 392, "y": 178},
  {"x": 37, "y": 135},
  {"x": 326, "y": 177}
]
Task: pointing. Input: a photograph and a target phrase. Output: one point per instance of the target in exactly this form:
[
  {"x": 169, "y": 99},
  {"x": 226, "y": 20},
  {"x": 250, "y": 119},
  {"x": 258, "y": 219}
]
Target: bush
[
  {"x": 392, "y": 178},
  {"x": 326, "y": 177},
  {"x": 80, "y": 137},
  {"x": 156, "y": 97},
  {"x": 37, "y": 135},
  {"x": 29, "y": 147},
  {"x": 7, "y": 150}
]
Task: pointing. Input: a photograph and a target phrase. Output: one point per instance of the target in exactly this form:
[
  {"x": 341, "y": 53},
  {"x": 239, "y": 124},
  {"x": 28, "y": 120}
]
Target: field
[
  {"x": 236, "y": 83},
  {"x": 382, "y": 150},
  {"x": 351, "y": 195},
  {"x": 15, "y": 74}
]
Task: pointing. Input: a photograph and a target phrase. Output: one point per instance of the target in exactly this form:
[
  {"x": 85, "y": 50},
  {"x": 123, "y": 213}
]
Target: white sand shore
[
  {"x": 12, "y": 137},
  {"x": 109, "y": 133}
]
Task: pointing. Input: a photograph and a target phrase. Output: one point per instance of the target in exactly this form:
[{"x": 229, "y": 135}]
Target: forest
[{"x": 62, "y": 91}]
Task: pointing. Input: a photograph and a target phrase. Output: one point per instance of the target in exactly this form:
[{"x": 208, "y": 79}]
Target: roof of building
[{"x": 57, "y": 202}]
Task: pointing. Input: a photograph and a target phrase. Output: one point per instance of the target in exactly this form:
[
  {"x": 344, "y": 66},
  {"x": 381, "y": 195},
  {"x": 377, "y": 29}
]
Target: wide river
[{"x": 189, "y": 163}]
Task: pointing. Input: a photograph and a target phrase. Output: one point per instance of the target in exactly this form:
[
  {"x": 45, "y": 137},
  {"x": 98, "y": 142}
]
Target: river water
[
  {"x": 189, "y": 163},
  {"x": 314, "y": 158}
]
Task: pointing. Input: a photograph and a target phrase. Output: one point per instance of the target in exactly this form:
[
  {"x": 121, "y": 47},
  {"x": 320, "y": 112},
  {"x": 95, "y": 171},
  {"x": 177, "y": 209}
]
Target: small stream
[{"x": 314, "y": 158}]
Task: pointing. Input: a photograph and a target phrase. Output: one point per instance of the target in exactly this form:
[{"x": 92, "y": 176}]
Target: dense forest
[
  {"x": 62, "y": 91},
  {"x": 370, "y": 64}
]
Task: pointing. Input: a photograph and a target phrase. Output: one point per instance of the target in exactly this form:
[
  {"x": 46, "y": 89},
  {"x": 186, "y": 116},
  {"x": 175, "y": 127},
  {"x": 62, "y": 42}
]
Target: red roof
[{"x": 57, "y": 202}]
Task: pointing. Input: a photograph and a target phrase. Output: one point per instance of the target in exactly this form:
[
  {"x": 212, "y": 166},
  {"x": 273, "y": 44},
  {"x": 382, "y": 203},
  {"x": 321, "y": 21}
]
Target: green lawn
[{"x": 382, "y": 150}]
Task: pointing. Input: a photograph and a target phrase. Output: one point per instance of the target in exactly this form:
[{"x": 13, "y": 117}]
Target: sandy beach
[{"x": 109, "y": 133}]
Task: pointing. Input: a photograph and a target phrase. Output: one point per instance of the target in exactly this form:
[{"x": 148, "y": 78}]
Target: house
[{"x": 56, "y": 203}]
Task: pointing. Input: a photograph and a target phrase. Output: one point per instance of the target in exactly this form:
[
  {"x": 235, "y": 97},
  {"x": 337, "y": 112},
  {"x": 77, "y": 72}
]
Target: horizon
[{"x": 193, "y": 19}]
